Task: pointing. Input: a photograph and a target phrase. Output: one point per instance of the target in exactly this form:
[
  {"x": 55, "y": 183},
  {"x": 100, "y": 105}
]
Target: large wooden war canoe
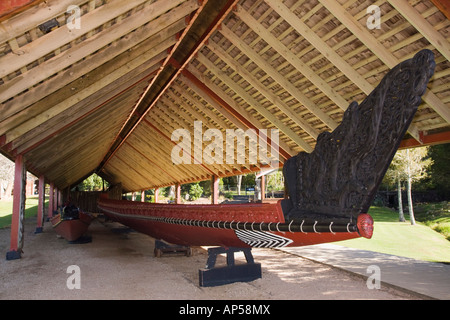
[
  {"x": 230, "y": 225},
  {"x": 330, "y": 189}
]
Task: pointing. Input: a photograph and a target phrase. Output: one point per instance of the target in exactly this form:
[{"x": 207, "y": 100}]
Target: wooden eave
[{"x": 106, "y": 98}]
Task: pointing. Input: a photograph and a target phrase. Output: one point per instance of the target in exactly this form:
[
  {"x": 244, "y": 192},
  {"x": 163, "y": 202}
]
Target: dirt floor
[{"x": 119, "y": 264}]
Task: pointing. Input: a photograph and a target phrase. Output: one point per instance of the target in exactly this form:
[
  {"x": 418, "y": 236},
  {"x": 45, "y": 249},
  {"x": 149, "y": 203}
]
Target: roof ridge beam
[{"x": 208, "y": 13}]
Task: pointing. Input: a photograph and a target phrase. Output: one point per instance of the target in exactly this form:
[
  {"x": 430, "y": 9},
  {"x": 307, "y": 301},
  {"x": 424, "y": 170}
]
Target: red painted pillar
[
  {"x": 214, "y": 190},
  {"x": 41, "y": 205},
  {"x": 55, "y": 200},
  {"x": 60, "y": 199},
  {"x": 51, "y": 199},
  {"x": 156, "y": 195},
  {"x": 20, "y": 178},
  {"x": 263, "y": 188},
  {"x": 178, "y": 193}
]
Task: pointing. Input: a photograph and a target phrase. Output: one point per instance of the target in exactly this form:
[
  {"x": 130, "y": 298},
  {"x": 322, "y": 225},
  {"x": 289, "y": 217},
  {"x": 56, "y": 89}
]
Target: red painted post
[
  {"x": 178, "y": 193},
  {"x": 156, "y": 194},
  {"x": 263, "y": 188},
  {"x": 214, "y": 190},
  {"x": 51, "y": 199},
  {"x": 60, "y": 199},
  {"x": 20, "y": 177},
  {"x": 55, "y": 200},
  {"x": 41, "y": 205}
]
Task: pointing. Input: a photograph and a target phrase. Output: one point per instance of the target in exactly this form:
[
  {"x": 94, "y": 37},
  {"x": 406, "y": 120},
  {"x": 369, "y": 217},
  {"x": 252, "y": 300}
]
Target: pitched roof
[{"x": 107, "y": 94}]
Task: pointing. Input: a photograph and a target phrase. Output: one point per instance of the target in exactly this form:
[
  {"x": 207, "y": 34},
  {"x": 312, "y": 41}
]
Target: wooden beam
[
  {"x": 290, "y": 57},
  {"x": 234, "y": 116},
  {"x": 255, "y": 104},
  {"x": 328, "y": 52},
  {"x": 154, "y": 145},
  {"x": 173, "y": 143},
  {"x": 321, "y": 45},
  {"x": 230, "y": 109},
  {"x": 221, "y": 125},
  {"x": 64, "y": 121},
  {"x": 14, "y": 7},
  {"x": 380, "y": 51},
  {"x": 86, "y": 92},
  {"x": 62, "y": 36},
  {"x": 272, "y": 97},
  {"x": 34, "y": 16},
  {"x": 75, "y": 62},
  {"x": 423, "y": 26},
  {"x": 427, "y": 140},
  {"x": 161, "y": 149},
  {"x": 153, "y": 163},
  {"x": 204, "y": 22},
  {"x": 264, "y": 65},
  {"x": 443, "y": 6}
]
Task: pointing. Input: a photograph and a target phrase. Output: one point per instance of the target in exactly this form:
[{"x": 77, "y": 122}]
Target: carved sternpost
[{"x": 339, "y": 179}]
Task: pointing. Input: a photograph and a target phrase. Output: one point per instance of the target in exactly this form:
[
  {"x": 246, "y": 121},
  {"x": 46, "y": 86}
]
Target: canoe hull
[
  {"x": 236, "y": 225},
  {"x": 71, "y": 230}
]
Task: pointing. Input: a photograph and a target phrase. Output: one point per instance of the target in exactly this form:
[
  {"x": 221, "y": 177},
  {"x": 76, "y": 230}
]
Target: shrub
[{"x": 195, "y": 191}]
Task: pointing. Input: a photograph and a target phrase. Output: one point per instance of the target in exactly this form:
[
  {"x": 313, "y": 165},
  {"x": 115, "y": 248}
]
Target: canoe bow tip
[{"x": 365, "y": 225}]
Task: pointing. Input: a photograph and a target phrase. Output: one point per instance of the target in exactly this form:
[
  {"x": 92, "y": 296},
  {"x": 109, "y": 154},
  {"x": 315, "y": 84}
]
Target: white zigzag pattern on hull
[{"x": 260, "y": 239}]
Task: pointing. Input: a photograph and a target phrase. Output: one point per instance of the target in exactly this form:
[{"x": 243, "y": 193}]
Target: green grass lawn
[
  {"x": 6, "y": 210},
  {"x": 401, "y": 238}
]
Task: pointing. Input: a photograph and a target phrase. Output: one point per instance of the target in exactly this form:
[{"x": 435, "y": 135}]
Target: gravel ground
[{"x": 121, "y": 265}]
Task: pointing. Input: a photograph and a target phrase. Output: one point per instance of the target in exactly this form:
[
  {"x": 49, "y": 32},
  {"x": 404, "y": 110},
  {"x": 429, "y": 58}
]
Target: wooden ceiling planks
[{"x": 108, "y": 96}]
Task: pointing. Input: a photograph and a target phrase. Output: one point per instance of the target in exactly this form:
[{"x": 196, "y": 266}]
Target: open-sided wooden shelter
[{"x": 99, "y": 86}]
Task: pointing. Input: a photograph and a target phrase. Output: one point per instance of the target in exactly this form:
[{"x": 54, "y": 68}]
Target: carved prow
[{"x": 339, "y": 179}]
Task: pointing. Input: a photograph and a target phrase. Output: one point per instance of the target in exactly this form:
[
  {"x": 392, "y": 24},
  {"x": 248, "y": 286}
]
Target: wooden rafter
[
  {"x": 381, "y": 52},
  {"x": 109, "y": 95}
]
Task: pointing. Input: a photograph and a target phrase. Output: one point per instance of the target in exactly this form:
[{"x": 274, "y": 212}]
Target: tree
[
  {"x": 439, "y": 174},
  {"x": 393, "y": 176},
  {"x": 6, "y": 177},
  {"x": 238, "y": 183},
  {"x": 275, "y": 181},
  {"x": 92, "y": 183},
  {"x": 195, "y": 191},
  {"x": 411, "y": 165}
]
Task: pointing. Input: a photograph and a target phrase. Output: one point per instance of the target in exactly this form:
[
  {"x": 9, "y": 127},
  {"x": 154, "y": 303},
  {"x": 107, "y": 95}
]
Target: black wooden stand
[
  {"x": 162, "y": 247},
  {"x": 216, "y": 276}
]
